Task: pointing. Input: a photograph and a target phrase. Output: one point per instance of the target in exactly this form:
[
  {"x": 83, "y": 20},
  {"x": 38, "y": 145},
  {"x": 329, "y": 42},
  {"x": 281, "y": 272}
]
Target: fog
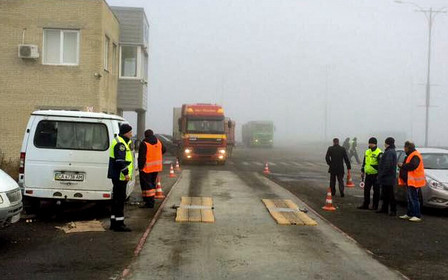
[{"x": 357, "y": 65}]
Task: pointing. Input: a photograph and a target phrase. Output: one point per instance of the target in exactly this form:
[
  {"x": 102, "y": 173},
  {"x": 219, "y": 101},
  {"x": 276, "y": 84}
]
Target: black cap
[
  {"x": 390, "y": 141},
  {"x": 125, "y": 128},
  {"x": 373, "y": 140},
  {"x": 148, "y": 133}
]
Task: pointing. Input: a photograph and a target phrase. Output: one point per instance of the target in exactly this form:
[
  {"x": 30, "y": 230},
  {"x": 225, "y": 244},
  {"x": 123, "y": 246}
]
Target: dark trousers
[
  {"x": 148, "y": 186},
  {"x": 413, "y": 202},
  {"x": 333, "y": 183},
  {"x": 387, "y": 192},
  {"x": 118, "y": 199},
  {"x": 370, "y": 182}
]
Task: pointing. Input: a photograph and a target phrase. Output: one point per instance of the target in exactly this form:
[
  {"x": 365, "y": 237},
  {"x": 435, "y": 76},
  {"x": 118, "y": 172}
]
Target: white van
[
  {"x": 65, "y": 155},
  {"x": 10, "y": 200}
]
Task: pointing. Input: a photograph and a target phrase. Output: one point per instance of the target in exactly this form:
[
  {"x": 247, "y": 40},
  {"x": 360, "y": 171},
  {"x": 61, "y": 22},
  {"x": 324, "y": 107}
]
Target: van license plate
[{"x": 69, "y": 176}]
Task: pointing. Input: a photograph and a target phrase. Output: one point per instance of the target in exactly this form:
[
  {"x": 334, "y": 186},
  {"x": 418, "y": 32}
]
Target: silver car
[{"x": 435, "y": 194}]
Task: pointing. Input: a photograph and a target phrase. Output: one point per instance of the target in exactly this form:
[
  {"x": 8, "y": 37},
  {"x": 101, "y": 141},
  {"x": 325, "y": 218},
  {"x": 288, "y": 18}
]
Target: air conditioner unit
[{"x": 28, "y": 51}]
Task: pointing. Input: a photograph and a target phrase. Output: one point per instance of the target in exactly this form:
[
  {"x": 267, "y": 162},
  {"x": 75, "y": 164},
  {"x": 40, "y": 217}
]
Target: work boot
[
  {"x": 122, "y": 228},
  {"x": 342, "y": 194},
  {"x": 112, "y": 224},
  {"x": 393, "y": 213},
  {"x": 363, "y": 207}
]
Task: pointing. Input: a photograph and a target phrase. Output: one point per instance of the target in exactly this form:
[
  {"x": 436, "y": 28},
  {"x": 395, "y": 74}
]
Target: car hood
[
  {"x": 6, "y": 182},
  {"x": 438, "y": 174}
]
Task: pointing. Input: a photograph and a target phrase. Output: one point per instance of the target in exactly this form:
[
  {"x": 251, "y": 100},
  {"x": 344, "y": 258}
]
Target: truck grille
[
  {"x": 205, "y": 151},
  {"x": 14, "y": 196}
]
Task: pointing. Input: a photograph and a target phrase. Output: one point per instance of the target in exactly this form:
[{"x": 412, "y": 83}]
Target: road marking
[
  {"x": 245, "y": 163},
  {"x": 195, "y": 209},
  {"x": 257, "y": 163},
  {"x": 272, "y": 163},
  {"x": 286, "y": 212},
  {"x": 284, "y": 163}
]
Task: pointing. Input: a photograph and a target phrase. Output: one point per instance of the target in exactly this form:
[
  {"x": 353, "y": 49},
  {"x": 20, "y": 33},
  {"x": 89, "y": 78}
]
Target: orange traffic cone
[
  {"x": 159, "y": 191},
  {"x": 177, "y": 168},
  {"x": 329, "y": 202},
  {"x": 350, "y": 183},
  {"x": 172, "y": 174},
  {"x": 266, "y": 169}
]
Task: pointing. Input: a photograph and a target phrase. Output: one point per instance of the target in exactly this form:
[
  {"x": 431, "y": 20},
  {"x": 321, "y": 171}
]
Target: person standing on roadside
[
  {"x": 346, "y": 144},
  {"x": 335, "y": 157},
  {"x": 412, "y": 175},
  {"x": 370, "y": 171},
  {"x": 354, "y": 150},
  {"x": 387, "y": 177},
  {"x": 121, "y": 167},
  {"x": 150, "y": 164}
]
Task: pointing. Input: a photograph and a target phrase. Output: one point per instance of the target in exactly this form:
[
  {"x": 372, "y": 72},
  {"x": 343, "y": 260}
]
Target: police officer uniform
[
  {"x": 370, "y": 169},
  {"x": 121, "y": 165}
]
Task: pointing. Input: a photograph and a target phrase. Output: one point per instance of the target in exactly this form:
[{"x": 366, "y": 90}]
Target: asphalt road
[
  {"x": 38, "y": 250},
  {"x": 418, "y": 250}
]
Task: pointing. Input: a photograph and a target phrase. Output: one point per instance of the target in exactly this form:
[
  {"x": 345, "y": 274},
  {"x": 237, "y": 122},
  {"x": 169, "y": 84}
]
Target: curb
[{"x": 127, "y": 271}]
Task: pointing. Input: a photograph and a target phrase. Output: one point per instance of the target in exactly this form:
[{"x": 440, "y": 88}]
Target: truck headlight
[
  {"x": 256, "y": 140},
  {"x": 222, "y": 151},
  {"x": 187, "y": 151},
  {"x": 433, "y": 184}
]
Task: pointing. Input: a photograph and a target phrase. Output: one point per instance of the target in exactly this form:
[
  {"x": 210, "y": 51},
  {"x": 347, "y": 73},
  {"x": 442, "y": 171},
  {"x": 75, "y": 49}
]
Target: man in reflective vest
[
  {"x": 412, "y": 175},
  {"x": 370, "y": 171},
  {"x": 150, "y": 164},
  {"x": 121, "y": 165}
]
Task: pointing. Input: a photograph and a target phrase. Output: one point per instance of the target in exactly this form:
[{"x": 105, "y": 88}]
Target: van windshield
[{"x": 71, "y": 136}]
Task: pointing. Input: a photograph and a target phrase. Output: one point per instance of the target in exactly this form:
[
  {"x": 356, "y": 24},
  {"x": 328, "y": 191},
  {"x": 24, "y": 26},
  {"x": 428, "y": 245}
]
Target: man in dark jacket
[
  {"x": 387, "y": 177},
  {"x": 335, "y": 157},
  {"x": 150, "y": 164}
]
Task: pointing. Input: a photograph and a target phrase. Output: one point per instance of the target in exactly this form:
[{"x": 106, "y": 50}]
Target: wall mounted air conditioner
[{"x": 28, "y": 51}]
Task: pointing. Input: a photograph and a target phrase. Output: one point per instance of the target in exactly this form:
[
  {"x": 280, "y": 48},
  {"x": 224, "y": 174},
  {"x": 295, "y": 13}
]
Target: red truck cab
[{"x": 199, "y": 132}]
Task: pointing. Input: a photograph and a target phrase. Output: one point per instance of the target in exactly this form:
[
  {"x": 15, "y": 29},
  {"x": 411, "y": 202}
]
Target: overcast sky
[{"x": 283, "y": 60}]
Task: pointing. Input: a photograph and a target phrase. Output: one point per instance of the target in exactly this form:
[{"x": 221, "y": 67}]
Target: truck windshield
[
  {"x": 264, "y": 128},
  {"x": 205, "y": 126}
]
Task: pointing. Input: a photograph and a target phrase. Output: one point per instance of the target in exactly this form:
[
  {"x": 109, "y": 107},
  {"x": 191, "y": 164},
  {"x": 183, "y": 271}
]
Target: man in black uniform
[
  {"x": 335, "y": 157},
  {"x": 120, "y": 171}
]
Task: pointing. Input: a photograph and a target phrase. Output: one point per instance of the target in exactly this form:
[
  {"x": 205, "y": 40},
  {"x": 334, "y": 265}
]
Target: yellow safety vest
[
  {"x": 129, "y": 156},
  {"x": 372, "y": 159}
]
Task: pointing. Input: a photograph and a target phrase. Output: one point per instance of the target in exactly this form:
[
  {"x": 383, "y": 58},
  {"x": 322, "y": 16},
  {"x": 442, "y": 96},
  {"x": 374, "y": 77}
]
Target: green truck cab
[{"x": 258, "y": 134}]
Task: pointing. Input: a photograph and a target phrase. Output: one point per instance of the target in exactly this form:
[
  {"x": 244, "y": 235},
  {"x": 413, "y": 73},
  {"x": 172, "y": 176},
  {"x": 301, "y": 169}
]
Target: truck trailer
[
  {"x": 258, "y": 134},
  {"x": 199, "y": 133}
]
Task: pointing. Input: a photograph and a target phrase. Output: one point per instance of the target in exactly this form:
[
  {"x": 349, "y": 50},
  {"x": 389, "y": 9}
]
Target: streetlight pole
[{"x": 430, "y": 15}]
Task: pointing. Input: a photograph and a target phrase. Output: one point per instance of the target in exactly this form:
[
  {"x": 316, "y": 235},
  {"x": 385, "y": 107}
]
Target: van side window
[{"x": 71, "y": 135}]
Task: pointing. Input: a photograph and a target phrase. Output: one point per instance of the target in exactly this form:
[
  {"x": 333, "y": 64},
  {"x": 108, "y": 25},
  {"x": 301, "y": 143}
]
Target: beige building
[{"x": 72, "y": 62}]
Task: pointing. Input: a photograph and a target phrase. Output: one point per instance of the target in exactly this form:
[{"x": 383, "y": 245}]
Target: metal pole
[{"x": 428, "y": 77}]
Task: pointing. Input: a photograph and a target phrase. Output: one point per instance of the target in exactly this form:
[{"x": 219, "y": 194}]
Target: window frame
[
  {"x": 114, "y": 57},
  {"x": 106, "y": 53},
  {"x": 61, "y": 47},
  {"x": 138, "y": 66}
]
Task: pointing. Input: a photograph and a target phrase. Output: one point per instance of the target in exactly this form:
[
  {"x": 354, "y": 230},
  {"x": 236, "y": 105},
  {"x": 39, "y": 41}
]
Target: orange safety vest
[
  {"x": 416, "y": 177},
  {"x": 153, "y": 158}
]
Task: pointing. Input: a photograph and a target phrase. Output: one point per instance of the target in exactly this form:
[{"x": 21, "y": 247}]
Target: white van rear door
[{"x": 69, "y": 153}]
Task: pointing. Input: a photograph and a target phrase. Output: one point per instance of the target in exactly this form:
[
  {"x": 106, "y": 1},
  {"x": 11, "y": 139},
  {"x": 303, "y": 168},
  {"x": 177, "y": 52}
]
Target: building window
[
  {"x": 106, "y": 53},
  {"x": 130, "y": 61},
  {"x": 61, "y": 47},
  {"x": 114, "y": 57}
]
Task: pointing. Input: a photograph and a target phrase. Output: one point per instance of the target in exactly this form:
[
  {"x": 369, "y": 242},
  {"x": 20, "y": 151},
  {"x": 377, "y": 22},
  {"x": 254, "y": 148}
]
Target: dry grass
[{"x": 10, "y": 166}]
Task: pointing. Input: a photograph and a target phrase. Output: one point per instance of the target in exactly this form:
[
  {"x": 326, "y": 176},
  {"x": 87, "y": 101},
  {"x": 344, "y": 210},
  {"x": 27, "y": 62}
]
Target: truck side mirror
[
  {"x": 229, "y": 124},
  {"x": 179, "y": 122}
]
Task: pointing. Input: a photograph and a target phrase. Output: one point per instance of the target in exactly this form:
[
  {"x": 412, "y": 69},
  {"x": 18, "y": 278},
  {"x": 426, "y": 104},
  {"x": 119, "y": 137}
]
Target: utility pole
[{"x": 430, "y": 15}]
